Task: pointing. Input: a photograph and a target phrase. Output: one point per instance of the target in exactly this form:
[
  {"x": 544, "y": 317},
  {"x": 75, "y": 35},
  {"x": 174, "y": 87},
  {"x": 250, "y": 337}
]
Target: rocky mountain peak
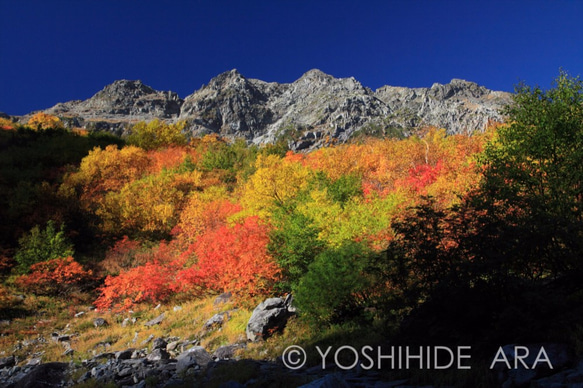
[
  {"x": 305, "y": 112},
  {"x": 316, "y": 79},
  {"x": 124, "y": 88},
  {"x": 315, "y": 75},
  {"x": 226, "y": 79}
]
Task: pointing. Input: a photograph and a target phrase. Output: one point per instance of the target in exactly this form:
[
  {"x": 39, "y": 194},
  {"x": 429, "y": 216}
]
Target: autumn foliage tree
[
  {"x": 55, "y": 277},
  {"x": 235, "y": 258},
  {"x": 230, "y": 258},
  {"x": 105, "y": 170},
  {"x": 157, "y": 134},
  {"x": 41, "y": 121},
  {"x": 153, "y": 282}
]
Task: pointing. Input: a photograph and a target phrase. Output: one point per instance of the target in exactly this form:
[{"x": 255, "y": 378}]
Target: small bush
[
  {"x": 330, "y": 290},
  {"x": 42, "y": 245},
  {"x": 54, "y": 277}
]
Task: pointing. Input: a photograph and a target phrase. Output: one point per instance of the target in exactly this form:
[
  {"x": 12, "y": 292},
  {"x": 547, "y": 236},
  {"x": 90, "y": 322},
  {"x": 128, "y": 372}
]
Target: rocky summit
[{"x": 306, "y": 113}]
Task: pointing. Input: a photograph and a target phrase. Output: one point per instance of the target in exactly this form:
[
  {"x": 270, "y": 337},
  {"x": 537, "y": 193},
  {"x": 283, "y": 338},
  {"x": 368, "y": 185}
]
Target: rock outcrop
[
  {"x": 307, "y": 113},
  {"x": 269, "y": 317}
]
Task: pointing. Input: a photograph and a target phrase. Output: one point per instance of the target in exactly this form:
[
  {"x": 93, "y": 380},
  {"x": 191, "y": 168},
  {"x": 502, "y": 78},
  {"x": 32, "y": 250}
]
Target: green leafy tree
[
  {"x": 534, "y": 170},
  {"x": 334, "y": 288},
  {"x": 42, "y": 245},
  {"x": 294, "y": 244}
]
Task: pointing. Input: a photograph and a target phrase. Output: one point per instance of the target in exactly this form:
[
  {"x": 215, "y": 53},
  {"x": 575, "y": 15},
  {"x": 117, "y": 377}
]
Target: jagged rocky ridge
[{"x": 307, "y": 112}]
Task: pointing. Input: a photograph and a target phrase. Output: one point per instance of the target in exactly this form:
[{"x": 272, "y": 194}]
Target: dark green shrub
[
  {"x": 334, "y": 287},
  {"x": 294, "y": 244},
  {"x": 41, "y": 245}
]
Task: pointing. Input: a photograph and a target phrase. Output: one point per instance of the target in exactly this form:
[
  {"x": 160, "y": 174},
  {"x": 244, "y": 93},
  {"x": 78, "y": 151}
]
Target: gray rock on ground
[{"x": 270, "y": 316}]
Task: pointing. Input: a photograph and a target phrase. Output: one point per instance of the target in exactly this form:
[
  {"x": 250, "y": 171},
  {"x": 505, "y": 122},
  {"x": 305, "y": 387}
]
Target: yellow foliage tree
[
  {"x": 149, "y": 206},
  {"x": 41, "y": 121},
  {"x": 157, "y": 134},
  {"x": 6, "y": 124},
  {"x": 105, "y": 170},
  {"x": 274, "y": 183}
]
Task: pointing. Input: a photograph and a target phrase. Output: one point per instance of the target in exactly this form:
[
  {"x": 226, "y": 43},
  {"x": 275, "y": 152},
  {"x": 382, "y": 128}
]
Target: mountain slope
[{"x": 307, "y": 112}]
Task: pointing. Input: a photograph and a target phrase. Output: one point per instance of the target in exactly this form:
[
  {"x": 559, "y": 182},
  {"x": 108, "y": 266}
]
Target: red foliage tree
[
  {"x": 233, "y": 259},
  {"x": 55, "y": 277},
  {"x": 151, "y": 282}
]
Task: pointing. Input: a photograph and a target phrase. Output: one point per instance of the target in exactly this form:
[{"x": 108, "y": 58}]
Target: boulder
[
  {"x": 100, "y": 322},
  {"x": 124, "y": 354},
  {"x": 216, "y": 320},
  {"x": 227, "y": 352},
  {"x": 52, "y": 374},
  {"x": 270, "y": 316},
  {"x": 158, "y": 355},
  {"x": 155, "y": 321},
  {"x": 6, "y": 362},
  {"x": 192, "y": 357},
  {"x": 159, "y": 343}
]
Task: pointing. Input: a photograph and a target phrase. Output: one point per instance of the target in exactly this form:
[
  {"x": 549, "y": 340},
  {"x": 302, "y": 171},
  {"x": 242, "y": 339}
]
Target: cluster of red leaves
[
  {"x": 150, "y": 282},
  {"x": 423, "y": 175},
  {"x": 229, "y": 258},
  {"x": 171, "y": 157},
  {"x": 233, "y": 259},
  {"x": 123, "y": 255},
  {"x": 55, "y": 277}
]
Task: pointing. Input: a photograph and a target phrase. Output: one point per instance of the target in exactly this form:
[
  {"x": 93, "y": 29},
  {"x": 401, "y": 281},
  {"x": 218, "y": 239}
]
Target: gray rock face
[
  {"x": 100, "y": 322},
  {"x": 460, "y": 106},
  {"x": 307, "y": 112},
  {"x": 271, "y": 315},
  {"x": 194, "y": 356},
  {"x": 122, "y": 99}
]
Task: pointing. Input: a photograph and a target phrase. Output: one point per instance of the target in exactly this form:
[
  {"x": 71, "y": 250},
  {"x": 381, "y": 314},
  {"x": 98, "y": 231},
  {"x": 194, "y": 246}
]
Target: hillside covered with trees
[{"x": 433, "y": 239}]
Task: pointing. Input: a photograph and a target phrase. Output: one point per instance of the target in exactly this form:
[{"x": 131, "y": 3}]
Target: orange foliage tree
[
  {"x": 233, "y": 259},
  {"x": 153, "y": 281},
  {"x": 54, "y": 277},
  {"x": 6, "y": 124},
  {"x": 204, "y": 213}
]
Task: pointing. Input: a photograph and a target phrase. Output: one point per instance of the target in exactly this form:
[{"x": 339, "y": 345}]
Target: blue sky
[{"x": 56, "y": 51}]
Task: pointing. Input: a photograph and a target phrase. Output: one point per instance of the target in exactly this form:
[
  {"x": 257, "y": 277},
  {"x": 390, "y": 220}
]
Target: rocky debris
[
  {"x": 6, "y": 362},
  {"x": 306, "y": 113},
  {"x": 270, "y": 316},
  {"x": 51, "y": 374},
  {"x": 195, "y": 357},
  {"x": 156, "y": 321},
  {"x": 100, "y": 322},
  {"x": 227, "y": 352},
  {"x": 196, "y": 367},
  {"x": 223, "y": 298},
  {"x": 522, "y": 372},
  {"x": 158, "y": 355}
]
